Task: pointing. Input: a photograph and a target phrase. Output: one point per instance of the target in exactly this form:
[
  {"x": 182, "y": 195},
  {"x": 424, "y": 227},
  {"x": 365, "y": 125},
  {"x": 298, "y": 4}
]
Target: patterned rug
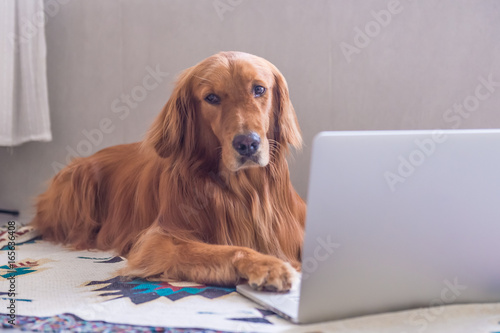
[{"x": 46, "y": 287}]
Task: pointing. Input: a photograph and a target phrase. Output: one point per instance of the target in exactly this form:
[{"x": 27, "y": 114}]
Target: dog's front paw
[{"x": 265, "y": 272}]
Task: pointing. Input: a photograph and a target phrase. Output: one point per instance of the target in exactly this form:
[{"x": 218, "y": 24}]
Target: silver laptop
[{"x": 396, "y": 220}]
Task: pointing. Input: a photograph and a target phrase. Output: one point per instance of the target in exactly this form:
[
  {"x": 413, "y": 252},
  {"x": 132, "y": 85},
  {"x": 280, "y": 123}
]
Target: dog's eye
[
  {"x": 258, "y": 91},
  {"x": 212, "y": 99}
]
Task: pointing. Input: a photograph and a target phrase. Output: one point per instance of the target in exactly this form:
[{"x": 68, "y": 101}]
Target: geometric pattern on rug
[
  {"x": 259, "y": 320},
  {"x": 23, "y": 267},
  {"x": 105, "y": 260},
  {"x": 68, "y": 322},
  {"x": 140, "y": 291}
]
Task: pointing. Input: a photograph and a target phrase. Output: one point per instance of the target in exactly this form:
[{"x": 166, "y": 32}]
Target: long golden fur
[{"x": 190, "y": 201}]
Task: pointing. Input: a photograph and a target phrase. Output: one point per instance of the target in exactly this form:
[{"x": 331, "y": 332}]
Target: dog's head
[{"x": 235, "y": 105}]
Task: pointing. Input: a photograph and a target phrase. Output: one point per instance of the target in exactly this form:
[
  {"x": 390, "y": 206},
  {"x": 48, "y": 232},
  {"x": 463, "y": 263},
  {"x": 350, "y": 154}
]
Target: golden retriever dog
[{"x": 206, "y": 196}]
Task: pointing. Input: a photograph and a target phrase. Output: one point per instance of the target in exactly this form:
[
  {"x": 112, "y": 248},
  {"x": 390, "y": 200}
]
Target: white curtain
[{"x": 24, "y": 107}]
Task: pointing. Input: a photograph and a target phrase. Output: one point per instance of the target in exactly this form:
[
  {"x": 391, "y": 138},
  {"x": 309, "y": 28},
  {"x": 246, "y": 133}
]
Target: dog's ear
[
  {"x": 173, "y": 130},
  {"x": 286, "y": 127}
]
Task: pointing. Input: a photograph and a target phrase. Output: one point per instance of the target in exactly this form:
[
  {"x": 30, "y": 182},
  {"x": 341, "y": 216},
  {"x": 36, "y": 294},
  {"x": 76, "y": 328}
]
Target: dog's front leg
[{"x": 158, "y": 254}]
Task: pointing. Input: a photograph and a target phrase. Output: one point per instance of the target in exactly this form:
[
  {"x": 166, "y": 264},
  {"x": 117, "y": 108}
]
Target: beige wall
[{"x": 345, "y": 69}]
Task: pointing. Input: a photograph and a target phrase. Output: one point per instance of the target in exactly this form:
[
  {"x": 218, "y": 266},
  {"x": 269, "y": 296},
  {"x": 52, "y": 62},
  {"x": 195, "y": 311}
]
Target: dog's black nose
[{"x": 247, "y": 144}]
